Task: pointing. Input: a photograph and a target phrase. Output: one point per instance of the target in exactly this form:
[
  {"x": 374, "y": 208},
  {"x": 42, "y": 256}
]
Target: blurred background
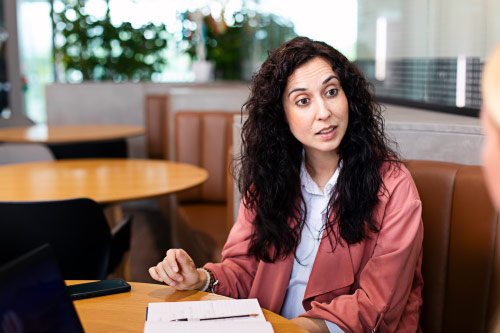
[{"x": 413, "y": 51}]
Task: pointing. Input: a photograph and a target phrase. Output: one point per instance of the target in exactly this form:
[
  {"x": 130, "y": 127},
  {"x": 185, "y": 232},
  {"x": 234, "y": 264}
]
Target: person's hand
[{"x": 179, "y": 271}]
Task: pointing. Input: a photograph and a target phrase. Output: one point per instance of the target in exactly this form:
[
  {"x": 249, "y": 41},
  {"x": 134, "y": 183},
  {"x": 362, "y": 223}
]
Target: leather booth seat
[{"x": 461, "y": 248}]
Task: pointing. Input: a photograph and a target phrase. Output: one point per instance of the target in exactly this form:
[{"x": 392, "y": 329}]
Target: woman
[
  {"x": 490, "y": 119},
  {"x": 329, "y": 232}
]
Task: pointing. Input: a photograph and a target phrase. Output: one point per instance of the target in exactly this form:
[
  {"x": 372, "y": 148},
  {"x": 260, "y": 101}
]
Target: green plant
[
  {"x": 231, "y": 47},
  {"x": 99, "y": 50}
]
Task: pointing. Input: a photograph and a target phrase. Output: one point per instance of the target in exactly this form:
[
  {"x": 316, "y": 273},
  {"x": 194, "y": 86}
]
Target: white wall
[{"x": 435, "y": 136}]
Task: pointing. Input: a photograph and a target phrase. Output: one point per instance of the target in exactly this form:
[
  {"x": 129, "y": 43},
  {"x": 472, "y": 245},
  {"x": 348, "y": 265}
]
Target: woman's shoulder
[{"x": 397, "y": 178}]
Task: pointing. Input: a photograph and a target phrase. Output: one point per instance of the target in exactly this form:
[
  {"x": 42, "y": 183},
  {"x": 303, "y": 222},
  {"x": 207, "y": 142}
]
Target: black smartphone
[{"x": 98, "y": 288}]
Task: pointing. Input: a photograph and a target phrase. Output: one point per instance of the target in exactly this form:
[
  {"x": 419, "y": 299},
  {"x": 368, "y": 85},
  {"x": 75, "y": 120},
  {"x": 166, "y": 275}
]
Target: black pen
[{"x": 215, "y": 318}]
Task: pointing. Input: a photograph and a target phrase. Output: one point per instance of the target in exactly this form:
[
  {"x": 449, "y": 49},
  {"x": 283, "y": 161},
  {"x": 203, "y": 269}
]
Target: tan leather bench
[{"x": 460, "y": 262}]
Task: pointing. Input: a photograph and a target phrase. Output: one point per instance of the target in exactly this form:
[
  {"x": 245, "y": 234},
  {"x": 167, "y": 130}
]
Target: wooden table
[
  {"x": 102, "y": 180},
  {"x": 126, "y": 312},
  {"x": 68, "y": 133}
]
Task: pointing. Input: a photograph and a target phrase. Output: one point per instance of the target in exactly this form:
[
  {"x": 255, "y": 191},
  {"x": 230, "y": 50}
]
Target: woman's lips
[{"x": 327, "y": 133}]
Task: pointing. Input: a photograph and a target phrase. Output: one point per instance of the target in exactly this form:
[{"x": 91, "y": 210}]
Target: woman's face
[
  {"x": 491, "y": 157},
  {"x": 316, "y": 107}
]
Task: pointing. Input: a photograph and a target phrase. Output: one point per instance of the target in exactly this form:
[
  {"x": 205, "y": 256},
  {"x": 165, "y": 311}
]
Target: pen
[{"x": 215, "y": 318}]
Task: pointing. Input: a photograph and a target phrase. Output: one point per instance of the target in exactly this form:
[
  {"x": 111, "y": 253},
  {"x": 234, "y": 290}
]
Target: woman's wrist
[
  {"x": 209, "y": 280},
  {"x": 204, "y": 279}
]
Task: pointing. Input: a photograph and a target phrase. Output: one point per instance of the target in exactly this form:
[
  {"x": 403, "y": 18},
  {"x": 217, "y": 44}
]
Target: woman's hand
[
  {"x": 311, "y": 324},
  {"x": 179, "y": 271}
]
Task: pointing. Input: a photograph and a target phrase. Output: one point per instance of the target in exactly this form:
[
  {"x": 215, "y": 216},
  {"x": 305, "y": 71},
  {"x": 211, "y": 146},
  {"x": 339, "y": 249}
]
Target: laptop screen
[{"x": 33, "y": 296}]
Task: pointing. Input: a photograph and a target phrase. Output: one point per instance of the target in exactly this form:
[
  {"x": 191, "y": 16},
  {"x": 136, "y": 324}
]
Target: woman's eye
[
  {"x": 332, "y": 92},
  {"x": 302, "y": 101}
]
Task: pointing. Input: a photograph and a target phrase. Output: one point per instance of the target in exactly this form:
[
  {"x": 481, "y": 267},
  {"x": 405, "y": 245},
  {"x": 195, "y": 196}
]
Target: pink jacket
[{"x": 372, "y": 285}]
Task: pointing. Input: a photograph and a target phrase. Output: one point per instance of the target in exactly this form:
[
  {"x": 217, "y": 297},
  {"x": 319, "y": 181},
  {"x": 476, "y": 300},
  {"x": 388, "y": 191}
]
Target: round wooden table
[
  {"x": 68, "y": 133},
  {"x": 126, "y": 312},
  {"x": 102, "y": 180}
]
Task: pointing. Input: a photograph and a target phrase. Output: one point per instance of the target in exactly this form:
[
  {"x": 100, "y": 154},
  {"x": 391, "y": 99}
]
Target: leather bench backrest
[
  {"x": 203, "y": 139},
  {"x": 459, "y": 245},
  {"x": 156, "y": 123}
]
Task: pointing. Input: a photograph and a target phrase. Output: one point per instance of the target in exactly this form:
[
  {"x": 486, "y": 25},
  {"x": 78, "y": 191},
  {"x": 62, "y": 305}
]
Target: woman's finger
[
  {"x": 185, "y": 262},
  {"x": 171, "y": 259},
  {"x": 160, "y": 270},
  {"x": 171, "y": 265},
  {"x": 154, "y": 275}
]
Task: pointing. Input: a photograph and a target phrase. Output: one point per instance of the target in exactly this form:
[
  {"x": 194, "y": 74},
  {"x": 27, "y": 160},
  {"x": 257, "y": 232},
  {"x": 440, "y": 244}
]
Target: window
[{"x": 423, "y": 53}]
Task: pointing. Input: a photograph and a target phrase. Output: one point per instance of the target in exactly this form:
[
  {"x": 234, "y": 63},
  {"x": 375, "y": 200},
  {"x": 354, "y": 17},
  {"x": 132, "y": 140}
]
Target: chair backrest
[
  {"x": 76, "y": 229},
  {"x": 460, "y": 228},
  {"x": 204, "y": 138},
  {"x": 24, "y": 152}
]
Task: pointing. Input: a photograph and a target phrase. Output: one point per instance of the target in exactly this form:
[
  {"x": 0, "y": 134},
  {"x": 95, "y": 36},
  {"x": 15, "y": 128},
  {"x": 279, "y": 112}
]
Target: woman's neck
[{"x": 321, "y": 167}]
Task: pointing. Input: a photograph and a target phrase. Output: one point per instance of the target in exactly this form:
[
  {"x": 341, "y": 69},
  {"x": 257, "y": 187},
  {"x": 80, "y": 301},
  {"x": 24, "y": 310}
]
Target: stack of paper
[{"x": 239, "y": 315}]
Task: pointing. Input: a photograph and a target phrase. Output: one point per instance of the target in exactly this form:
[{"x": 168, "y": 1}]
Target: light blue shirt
[{"x": 316, "y": 202}]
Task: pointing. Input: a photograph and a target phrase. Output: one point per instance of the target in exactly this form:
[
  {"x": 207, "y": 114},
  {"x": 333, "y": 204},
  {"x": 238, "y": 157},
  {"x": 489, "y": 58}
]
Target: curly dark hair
[{"x": 271, "y": 157}]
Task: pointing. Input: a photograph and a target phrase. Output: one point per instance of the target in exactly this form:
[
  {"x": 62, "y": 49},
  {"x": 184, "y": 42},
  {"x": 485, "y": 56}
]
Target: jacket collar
[{"x": 330, "y": 271}]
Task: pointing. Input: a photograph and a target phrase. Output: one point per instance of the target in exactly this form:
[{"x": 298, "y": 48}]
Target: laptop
[{"x": 33, "y": 295}]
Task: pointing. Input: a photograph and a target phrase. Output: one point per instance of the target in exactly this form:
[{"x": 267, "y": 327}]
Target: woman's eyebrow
[
  {"x": 296, "y": 89},
  {"x": 304, "y": 89},
  {"x": 329, "y": 78}
]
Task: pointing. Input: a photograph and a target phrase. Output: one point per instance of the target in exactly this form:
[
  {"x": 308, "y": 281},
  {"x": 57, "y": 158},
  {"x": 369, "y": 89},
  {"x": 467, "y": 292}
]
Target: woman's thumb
[{"x": 185, "y": 262}]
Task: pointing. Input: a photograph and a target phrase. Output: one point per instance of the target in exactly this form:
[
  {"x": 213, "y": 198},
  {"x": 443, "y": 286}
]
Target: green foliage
[
  {"x": 101, "y": 51},
  {"x": 245, "y": 42},
  {"x": 225, "y": 50}
]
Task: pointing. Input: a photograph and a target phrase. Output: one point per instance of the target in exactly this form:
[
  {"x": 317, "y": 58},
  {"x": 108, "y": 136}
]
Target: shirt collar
[{"x": 310, "y": 185}]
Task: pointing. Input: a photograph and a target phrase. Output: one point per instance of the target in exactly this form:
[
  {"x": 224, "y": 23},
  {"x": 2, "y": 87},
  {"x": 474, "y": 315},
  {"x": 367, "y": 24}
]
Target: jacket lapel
[{"x": 331, "y": 270}]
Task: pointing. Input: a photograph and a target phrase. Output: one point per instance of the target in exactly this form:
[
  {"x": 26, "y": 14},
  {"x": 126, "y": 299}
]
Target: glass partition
[{"x": 427, "y": 53}]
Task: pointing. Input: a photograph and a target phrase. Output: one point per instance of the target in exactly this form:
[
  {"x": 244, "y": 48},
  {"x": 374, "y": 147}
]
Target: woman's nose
[{"x": 323, "y": 111}]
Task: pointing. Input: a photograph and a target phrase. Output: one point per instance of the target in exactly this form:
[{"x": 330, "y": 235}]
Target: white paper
[
  {"x": 208, "y": 327},
  {"x": 168, "y": 311},
  {"x": 161, "y": 314}
]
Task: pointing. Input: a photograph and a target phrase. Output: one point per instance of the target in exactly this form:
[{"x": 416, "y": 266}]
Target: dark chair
[
  {"x": 77, "y": 230},
  {"x": 96, "y": 149}
]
